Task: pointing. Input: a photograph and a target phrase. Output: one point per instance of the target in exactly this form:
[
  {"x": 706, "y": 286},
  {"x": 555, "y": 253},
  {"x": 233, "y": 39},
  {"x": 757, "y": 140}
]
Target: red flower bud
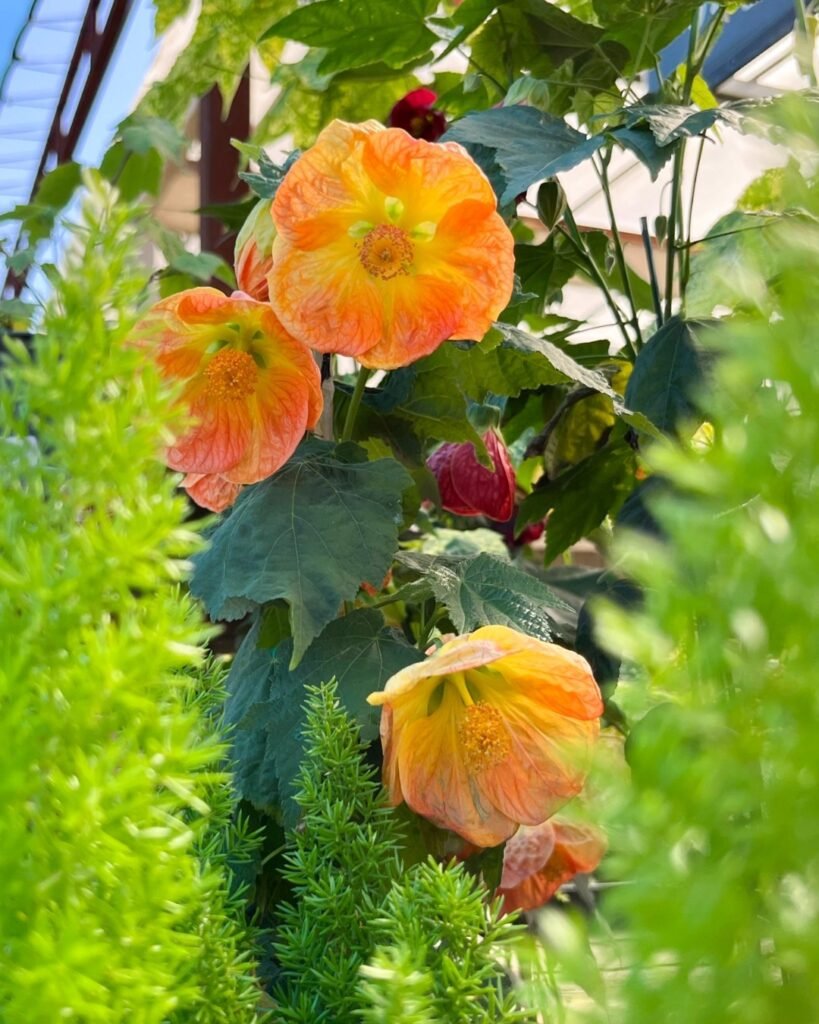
[
  {"x": 469, "y": 489},
  {"x": 415, "y": 114},
  {"x": 253, "y": 255}
]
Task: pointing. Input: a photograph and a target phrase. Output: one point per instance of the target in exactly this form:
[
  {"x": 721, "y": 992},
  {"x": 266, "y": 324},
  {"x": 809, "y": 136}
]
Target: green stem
[
  {"x": 803, "y": 31},
  {"x": 685, "y": 254},
  {"x": 575, "y": 239},
  {"x": 355, "y": 401},
  {"x": 677, "y": 173},
  {"x": 603, "y": 175}
]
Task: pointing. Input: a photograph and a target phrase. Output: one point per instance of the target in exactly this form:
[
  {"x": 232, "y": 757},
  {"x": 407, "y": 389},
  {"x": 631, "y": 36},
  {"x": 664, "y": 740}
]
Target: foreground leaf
[{"x": 310, "y": 534}]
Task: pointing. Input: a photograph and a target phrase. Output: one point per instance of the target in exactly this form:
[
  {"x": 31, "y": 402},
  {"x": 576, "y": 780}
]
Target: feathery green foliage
[
  {"x": 106, "y": 765},
  {"x": 343, "y": 858},
  {"x": 441, "y": 929}
]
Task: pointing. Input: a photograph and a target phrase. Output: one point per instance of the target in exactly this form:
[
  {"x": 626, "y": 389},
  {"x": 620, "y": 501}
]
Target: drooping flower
[
  {"x": 416, "y": 114},
  {"x": 538, "y": 860},
  {"x": 250, "y": 388},
  {"x": 469, "y": 489},
  {"x": 493, "y": 730},
  {"x": 253, "y": 253},
  {"x": 387, "y": 246}
]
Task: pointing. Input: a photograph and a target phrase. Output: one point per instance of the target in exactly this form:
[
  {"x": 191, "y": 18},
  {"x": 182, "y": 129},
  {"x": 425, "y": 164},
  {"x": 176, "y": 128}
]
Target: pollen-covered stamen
[
  {"x": 386, "y": 252},
  {"x": 484, "y": 738},
  {"x": 231, "y": 375}
]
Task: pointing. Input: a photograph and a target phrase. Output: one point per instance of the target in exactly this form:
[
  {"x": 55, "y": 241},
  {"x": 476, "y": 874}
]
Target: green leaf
[
  {"x": 543, "y": 270},
  {"x": 252, "y": 752},
  {"x": 580, "y": 498},
  {"x": 16, "y": 309},
  {"x": 671, "y": 121},
  {"x": 567, "y": 370},
  {"x": 436, "y": 405},
  {"x": 668, "y": 372},
  {"x": 726, "y": 265},
  {"x": 134, "y": 174},
  {"x": 140, "y": 133},
  {"x": 266, "y": 698},
  {"x": 266, "y": 182},
  {"x": 528, "y": 145},
  {"x": 644, "y": 146},
  {"x": 360, "y": 32},
  {"x": 310, "y": 534},
  {"x": 487, "y": 591},
  {"x": 58, "y": 186}
]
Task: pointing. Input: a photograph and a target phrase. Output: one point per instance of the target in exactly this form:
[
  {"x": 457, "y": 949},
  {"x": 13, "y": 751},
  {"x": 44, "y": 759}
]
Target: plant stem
[
  {"x": 652, "y": 271},
  {"x": 803, "y": 31},
  {"x": 575, "y": 239},
  {"x": 603, "y": 175},
  {"x": 355, "y": 401},
  {"x": 685, "y": 255},
  {"x": 677, "y": 173}
]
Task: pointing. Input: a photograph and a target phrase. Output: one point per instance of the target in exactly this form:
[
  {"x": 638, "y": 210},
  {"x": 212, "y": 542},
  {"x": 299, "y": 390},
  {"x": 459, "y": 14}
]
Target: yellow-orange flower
[
  {"x": 250, "y": 388},
  {"x": 387, "y": 246},
  {"x": 538, "y": 860},
  {"x": 493, "y": 730}
]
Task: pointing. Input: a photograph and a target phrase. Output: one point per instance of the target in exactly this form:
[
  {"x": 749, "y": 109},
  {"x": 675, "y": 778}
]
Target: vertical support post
[{"x": 219, "y": 161}]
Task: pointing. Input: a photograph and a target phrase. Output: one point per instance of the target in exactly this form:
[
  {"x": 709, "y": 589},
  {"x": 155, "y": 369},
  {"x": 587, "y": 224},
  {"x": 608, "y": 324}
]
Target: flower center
[
  {"x": 386, "y": 252},
  {"x": 484, "y": 740},
  {"x": 231, "y": 375}
]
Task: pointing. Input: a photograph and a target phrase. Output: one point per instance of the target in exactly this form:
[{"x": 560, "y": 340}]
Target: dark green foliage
[
  {"x": 483, "y": 591},
  {"x": 266, "y": 698},
  {"x": 310, "y": 534},
  {"x": 341, "y": 863},
  {"x": 668, "y": 372}
]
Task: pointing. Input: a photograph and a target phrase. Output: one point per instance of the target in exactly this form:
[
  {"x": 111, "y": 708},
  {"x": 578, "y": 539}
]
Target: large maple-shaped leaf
[
  {"x": 266, "y": 698},
  {"x": 486, "y": 591},
  {"x": 310, "y": 534}
]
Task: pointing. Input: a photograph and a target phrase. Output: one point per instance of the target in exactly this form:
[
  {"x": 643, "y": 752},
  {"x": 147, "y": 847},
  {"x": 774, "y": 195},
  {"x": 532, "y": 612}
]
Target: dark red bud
[
  {"x": 469, "y": 489},
  {"x": 417, "y": 116}
]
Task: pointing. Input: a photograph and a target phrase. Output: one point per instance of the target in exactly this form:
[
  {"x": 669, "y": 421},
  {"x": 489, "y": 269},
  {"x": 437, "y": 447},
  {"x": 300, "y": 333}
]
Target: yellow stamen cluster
[
  {"x": 231, "y": 375},
  {"x": 484, "y": 739},
  {"x": 386, "y": 252}
]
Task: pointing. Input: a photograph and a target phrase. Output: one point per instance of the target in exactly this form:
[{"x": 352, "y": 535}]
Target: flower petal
[
  {"x": 435, "y": 783},
  {"x": 327, "y": 179},
  {"x": 211, "y": 490},
  {"x": 325, "y": 298},
  {"x": 527, "y": 852},
  {"x": 219, "y": 438}
]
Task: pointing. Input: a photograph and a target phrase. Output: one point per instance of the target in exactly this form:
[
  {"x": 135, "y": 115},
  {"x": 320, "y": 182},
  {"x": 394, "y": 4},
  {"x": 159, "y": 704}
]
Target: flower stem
[{"x": 355, "y": 401}]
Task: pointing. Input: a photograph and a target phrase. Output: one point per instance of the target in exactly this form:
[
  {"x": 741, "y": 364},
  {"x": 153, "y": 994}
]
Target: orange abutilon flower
[
  {"x": 250, "y": 388},
  {"x": 387, "y": 246},
  {"x": 493, "y": 730},
  {"x": 538, "y": 860},
  {"x": 253, "y": 253}
]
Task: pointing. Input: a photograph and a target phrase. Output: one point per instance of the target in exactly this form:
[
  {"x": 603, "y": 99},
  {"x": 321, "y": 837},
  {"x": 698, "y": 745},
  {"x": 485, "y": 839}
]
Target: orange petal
[
  {"x": 211, "y": 490},
  {"x": 427, "y": 177},
  {"x": 327, "y": 179},
  {"x": 458, "y": 655},
  {"x": 435, "y": 783},
  {"x": 219, "y": 439},
  {"x": 326, "y": 298},
  {"x": 550, "y": 675},
  {"x": 575, "y": 848},
  {"x": 475, "y": 249},
  {"x": 547, "y": 766},
  {"x": 527, "y": 852}
]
